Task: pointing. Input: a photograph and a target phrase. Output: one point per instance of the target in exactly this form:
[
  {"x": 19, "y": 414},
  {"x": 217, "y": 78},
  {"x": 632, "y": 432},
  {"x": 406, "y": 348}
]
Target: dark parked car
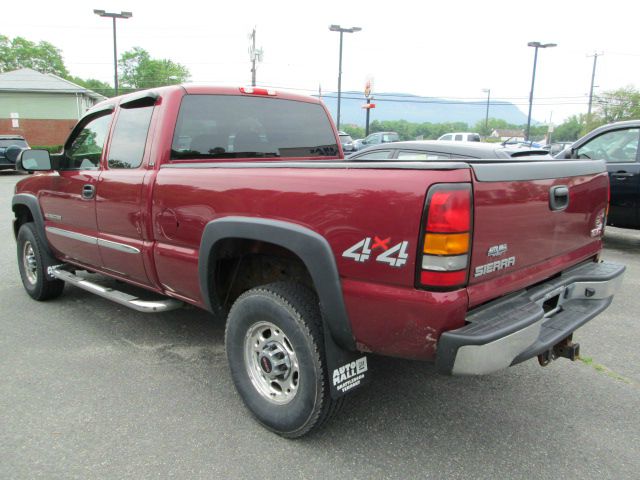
[
  {"x": 376, "y": 139},
  {"x": 617, "y": 144},
  {"x": 10, "y": 147},
  {"x": 346, "y": 141},
  {"x": 443, "y": 150}
]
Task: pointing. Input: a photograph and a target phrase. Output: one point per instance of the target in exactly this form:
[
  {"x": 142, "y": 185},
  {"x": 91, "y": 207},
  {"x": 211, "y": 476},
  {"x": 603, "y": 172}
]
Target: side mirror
[{"x": 34, "y": 160}]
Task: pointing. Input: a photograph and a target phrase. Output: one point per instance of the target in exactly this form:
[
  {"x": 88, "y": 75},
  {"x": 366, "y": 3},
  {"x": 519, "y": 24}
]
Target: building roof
[{"x": 28, "y": 80}]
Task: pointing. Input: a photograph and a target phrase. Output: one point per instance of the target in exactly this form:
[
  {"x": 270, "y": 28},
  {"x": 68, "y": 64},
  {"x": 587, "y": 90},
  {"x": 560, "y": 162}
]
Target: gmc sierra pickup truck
[{"x": 239, "y": 201}]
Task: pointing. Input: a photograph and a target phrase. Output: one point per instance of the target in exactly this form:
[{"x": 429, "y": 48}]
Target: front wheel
[
  {"x": 34, "y": 262},
  {"x": 275, "y": 348}
]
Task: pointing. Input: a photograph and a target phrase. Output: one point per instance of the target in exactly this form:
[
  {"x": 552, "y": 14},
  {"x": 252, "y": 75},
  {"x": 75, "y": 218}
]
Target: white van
[{"x": 461, "y": 137}]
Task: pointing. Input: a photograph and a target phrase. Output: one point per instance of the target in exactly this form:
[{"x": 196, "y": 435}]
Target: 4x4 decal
[{"x": 395, "y": 255}]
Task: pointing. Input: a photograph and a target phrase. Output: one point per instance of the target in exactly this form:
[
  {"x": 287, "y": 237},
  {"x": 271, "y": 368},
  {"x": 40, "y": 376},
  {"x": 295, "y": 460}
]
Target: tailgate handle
[{"x": 559, "y": 197}]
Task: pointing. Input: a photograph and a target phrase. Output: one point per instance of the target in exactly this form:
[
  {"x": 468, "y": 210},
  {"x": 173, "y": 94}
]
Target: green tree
[
  {"x": 569, "y": 130},
  {"x": 22, "y": 53},
  {"x": 139, "y": 70},
  {"x": 618, "y": 105},
  {"x": 353, "y": 130},
  {"x": 492, "y": 124},
  {"x": 98, "y": 86}
]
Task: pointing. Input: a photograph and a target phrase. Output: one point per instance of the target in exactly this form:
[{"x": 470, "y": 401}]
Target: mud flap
[{"x": 347, "y": 370}]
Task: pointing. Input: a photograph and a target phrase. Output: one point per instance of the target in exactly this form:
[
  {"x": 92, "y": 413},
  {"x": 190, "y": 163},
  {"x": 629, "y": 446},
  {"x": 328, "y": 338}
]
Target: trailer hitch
[{"x": 565, "y": 349}]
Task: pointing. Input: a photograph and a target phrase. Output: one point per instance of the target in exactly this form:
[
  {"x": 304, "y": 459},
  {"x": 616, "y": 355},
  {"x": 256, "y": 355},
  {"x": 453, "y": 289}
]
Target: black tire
[
  {"x": 34, "y": 262},
  {"x": 293, "y": 313}
]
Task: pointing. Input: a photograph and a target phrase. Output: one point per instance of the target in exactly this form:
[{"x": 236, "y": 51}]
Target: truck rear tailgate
[{"x": 533, "y": 219}]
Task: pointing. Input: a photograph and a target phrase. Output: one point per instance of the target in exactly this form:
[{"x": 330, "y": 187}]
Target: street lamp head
[
  {"x": 102, "y": 13},
  {"x": 338, "y": 28},
  {"x": 542, "y": 45}
]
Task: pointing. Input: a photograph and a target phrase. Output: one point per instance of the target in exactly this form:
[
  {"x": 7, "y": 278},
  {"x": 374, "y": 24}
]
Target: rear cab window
[{"x": 230, "y": 126}]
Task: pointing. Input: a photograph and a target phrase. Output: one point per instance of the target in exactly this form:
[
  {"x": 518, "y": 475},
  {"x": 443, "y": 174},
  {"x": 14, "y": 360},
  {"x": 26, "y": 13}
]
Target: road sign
[{"x": 368, "y": 86}]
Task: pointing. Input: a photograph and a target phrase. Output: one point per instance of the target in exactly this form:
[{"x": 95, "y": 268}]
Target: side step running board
[{"x": 131, "y": 301}]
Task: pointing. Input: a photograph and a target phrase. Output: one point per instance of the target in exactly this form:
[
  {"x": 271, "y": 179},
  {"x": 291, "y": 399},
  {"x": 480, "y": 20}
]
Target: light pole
[
  {"x": 535, "y": 45},
  {"x": 338, "y": 28},
  {"x": 486, "y": 115},
  {"x": 114, "y": 16}
]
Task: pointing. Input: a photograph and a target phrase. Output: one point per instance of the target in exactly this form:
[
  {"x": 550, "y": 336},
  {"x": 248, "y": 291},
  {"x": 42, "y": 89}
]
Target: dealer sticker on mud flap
[{"x": 350, "y": 375}]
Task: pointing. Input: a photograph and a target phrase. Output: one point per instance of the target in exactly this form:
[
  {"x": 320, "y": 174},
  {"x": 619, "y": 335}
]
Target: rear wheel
[
  {"x": 275, "y": 348},
  {"x": 34, "y": 262}
]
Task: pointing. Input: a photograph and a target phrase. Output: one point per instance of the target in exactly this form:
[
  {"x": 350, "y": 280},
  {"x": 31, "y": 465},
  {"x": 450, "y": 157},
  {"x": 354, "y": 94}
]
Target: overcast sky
[{"x": 450, "y": 49}]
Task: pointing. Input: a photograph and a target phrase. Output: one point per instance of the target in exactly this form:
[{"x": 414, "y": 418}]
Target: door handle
[
  {"x": 88, "y": 192},
  {"x": 622, "y": 175},
  {"x": 559, "y": 197}
]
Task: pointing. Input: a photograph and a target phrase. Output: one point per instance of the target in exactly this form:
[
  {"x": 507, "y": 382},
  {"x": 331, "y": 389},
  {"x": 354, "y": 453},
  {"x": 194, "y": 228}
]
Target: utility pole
[
  {"x": 255, "y": 55},
  {"x": 593, "y": 77},
  {"x": 486, "y": 115}
]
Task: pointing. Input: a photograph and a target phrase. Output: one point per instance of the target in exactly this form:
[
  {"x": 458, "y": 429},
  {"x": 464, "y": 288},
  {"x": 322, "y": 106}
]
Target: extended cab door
[
  {"x": 68, "y": 201},
  {"x": 619, "y": 148},
  {"x": 121, "y": 205}
]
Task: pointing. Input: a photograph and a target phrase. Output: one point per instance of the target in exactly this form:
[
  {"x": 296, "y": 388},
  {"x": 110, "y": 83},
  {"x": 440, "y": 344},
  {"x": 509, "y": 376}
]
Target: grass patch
[
  {"x": 602, "y": 369},
  {"x": 49, "y": 148}
]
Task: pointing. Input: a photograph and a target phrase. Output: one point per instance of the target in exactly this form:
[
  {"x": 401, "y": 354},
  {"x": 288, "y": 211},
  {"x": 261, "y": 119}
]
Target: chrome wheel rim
[
  {"x": 29, "y": 262},
  {"x": 271, "y": 363}
]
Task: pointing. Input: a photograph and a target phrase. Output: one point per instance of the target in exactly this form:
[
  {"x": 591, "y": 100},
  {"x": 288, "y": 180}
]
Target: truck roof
[{"x": 203, "y": 89}]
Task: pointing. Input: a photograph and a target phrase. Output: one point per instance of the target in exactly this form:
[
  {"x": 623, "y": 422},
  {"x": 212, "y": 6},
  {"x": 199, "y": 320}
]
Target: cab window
[
  {"x": 85, "y": 150},
  {"x": 618, "y": 146},
  {"x": 129, "y": 137}
]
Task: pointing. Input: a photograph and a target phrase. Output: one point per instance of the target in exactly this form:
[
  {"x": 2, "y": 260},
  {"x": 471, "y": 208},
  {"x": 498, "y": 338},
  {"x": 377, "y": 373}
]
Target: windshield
[
  {"x": 228, "y": 126},
  {"x": 346, "y": 139},
  {"x": 13, "y": 141}
]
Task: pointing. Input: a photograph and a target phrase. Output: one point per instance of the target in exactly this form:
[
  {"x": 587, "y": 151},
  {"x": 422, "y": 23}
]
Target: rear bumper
[{"x": 521, "y": 326}]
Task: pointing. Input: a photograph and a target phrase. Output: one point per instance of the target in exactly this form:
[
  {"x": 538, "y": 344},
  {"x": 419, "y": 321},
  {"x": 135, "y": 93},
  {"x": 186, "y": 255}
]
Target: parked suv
[
  {"x": 346, "y": 141},
  {"x": 10, "y": 147},
  {"x": 376, "y": 139},
  {"x": 461, "y": 137}
]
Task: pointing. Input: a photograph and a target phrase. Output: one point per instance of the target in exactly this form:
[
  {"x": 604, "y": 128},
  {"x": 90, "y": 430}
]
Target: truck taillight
[
  {"x": 258, "y": 91},
  {"x": 446, "y": 242}
]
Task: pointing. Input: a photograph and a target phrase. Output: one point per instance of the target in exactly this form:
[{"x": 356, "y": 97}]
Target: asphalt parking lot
[{"x": 89, "y": 389}]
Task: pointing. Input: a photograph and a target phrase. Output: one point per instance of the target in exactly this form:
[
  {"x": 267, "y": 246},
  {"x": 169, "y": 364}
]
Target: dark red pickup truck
[{"x": 239, "y": 201}]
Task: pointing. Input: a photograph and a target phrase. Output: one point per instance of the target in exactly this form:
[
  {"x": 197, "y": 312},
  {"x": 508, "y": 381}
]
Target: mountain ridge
[{"x": 418, "y": 109}]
